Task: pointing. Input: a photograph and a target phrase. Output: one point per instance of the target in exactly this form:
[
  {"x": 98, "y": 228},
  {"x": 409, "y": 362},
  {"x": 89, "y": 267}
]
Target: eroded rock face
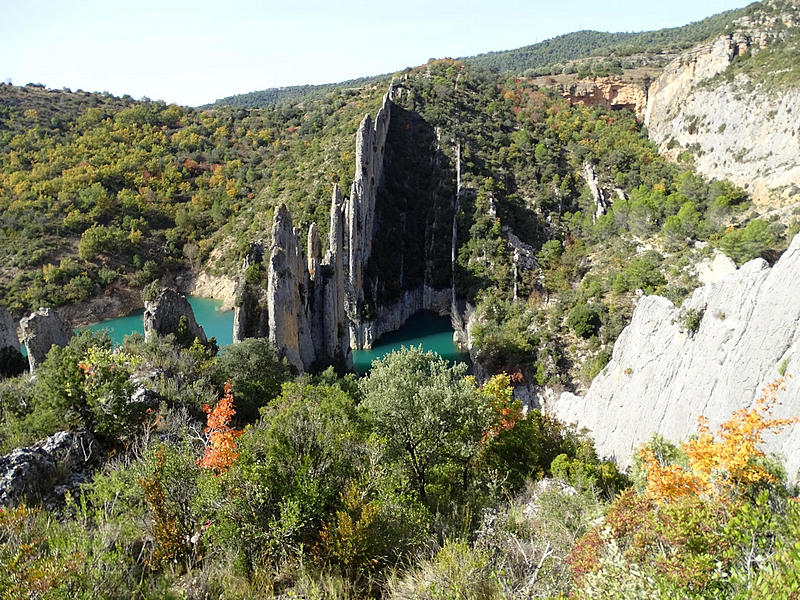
[
  {"x": 162, "y": 316},
  {"x": 663, "y": 376},
  {"x": 8, "y": 330},
  {"x": 42, "y": 330},
  {"x": 737, "y": 130},
  {"x": 305, "y": 296},
  {"x": 360, "y": 208},
  {"x": 613, "y": 92},
  {"x": 250, "y": 300},
  {"x": 61, "y": 458}
]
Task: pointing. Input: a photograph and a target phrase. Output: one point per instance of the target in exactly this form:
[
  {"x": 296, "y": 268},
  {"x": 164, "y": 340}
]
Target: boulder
[
  {"x": 60, "y": 458},
  {"x": 163, "y": 314},
  {"x": 41, "y": 331}
]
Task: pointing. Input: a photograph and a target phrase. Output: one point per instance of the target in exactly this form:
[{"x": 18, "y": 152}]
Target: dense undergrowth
[{"x": 236, "y": 479}]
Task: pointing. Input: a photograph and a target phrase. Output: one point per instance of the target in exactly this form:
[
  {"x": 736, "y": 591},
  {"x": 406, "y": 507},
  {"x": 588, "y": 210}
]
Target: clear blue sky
[{"x": 194, "y": 52}]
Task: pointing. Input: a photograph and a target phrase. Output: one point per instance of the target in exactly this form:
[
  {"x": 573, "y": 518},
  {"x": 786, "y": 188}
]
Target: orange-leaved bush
[
  {"x": 221, "y": 449},
  {"x": 720, "y": 464}
]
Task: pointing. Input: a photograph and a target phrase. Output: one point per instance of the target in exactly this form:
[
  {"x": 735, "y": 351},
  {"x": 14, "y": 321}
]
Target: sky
[{"x": 192, "y": 53}]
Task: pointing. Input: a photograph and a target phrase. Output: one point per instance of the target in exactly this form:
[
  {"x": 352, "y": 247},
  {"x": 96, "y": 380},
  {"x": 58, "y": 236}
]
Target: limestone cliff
[
  {"x": 360, "y": 208},
  {"x": 8, "y": 330},
  {"x": 736, "y": 128},
  {"x": 666, "y": 370},
  {"x": 302, "y": 309},
  {"x": 613, "y": 92},
  {"x": 42, "y": 330},
  {"x": 166, "y": 312}
]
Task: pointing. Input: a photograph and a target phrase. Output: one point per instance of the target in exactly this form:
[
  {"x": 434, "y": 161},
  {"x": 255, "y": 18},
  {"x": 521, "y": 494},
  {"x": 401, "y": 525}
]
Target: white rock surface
[
  {"x": 41, "y": 331},
  {"x": 713, "y": 270},
  {"x": 737, "y": 130},
  {"x": 661, "y": 377}
]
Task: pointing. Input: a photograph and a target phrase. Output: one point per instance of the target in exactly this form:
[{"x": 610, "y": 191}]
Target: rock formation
[
  {"x": 736, "y": 129},
  {"x": 288, "y": 300},
  {"x": 250, "y": 300},
  {"x": 302, "y": 309},
  {"x": 163, "y": 315},
  {"x": 35, "y": 470},
  {"x": 42, "y": 330},
  {"x": 664, "y": 374},
  {"x": 613, "y": 92},
  {"x": 360, "y": 209},
  {"x": 8, "y": 331}
]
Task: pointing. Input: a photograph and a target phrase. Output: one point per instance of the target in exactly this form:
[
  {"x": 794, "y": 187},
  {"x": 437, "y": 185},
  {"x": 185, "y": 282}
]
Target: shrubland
[{"x": 412, "y": 482}]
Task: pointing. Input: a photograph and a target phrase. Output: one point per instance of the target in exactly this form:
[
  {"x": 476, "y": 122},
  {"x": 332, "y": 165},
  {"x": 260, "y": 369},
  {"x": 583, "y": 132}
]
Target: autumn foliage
[
  {"x": 723, "y": 463},
  {"x": 221, "y": 449}
]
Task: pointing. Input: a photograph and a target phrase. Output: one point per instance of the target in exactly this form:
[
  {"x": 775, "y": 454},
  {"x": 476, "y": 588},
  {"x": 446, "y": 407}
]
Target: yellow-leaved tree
[{"x": 720, "y": 464}]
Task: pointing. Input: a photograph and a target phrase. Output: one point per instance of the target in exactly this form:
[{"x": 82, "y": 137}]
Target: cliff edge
[{"x": 710, "y": 357}]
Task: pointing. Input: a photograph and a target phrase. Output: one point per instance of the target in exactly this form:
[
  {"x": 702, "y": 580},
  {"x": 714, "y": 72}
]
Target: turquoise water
[
  {"x": 424, "y": 328},
  {"x": 215, "y": 322}
]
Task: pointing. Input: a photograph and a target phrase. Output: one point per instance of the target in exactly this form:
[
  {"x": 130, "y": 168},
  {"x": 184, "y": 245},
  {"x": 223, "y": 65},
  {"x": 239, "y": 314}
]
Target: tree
[
  {"x": 221, "y": 450},
  {"x": 727, "y": 463},
  {"x": 429, "y": 414},
  {"x": 255, "y": 372}
]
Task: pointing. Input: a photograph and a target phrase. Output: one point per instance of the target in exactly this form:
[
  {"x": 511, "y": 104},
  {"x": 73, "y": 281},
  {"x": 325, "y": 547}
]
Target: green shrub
[
  {"x": 256, "y": 372},
  {"x": 584, "y": 320}
]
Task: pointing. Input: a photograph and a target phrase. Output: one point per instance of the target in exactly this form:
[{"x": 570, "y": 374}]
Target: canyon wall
[
  {"x": 736, "y": 128},
  {"x": 668, "y": 368}
]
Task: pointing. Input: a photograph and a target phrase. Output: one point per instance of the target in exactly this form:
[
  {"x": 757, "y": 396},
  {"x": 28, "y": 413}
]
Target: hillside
[{"x": 581, "y": 231}]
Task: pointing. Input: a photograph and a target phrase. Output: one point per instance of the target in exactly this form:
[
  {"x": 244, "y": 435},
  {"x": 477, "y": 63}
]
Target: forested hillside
[{"x": 166, "y": 468}]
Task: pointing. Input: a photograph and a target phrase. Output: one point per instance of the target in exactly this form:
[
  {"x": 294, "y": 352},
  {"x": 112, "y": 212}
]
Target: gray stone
[
  {"x": 8, "y": 330},
  {"x": 288, "y": 285},
  {"x": 742, "y": 130},
  {"x": 662, "y": 376},
  {"x": 162, "y": 316},
  {"x": 35, "y": 470},
  {"x": 41, "y": 331},
  {"x": 360, "y": 209}
]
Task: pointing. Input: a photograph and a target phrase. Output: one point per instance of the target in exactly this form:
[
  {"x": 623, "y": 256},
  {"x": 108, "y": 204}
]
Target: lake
[
  {"x": 425, "y": 328},
  {"x": 217, "y": 323}
]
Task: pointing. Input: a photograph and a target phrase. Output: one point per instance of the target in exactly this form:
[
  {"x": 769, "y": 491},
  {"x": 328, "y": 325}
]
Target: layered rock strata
[
  {"x": 614, "y": 92},
  {"x": 169, "y": 312},
  {"x": 735, "y": 128},
  {"x": 41, "y": 331},
  {"x": 668, "y": 368}
]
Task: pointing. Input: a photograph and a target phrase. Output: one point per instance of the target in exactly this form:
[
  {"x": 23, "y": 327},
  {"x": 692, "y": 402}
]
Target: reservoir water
[
  {"x": 217, "y": 323},
  {"x": 425, "y": 328}
]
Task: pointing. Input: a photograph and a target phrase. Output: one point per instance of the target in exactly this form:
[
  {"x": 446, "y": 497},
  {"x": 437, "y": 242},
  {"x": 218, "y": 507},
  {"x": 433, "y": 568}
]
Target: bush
[
  {"x": 584, "y": 320},
  {"x": 256, "y": 373}
]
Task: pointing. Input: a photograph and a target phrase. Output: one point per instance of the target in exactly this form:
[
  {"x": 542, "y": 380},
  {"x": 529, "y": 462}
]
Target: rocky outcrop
[
  {"x": 288, "y": 298},
  {"x": 42, "y": 330},
  {"x": 8, "y": 331},
  {"x": 736, "y": 129},
  {"x": 302, "y": 309},
  {"x": 170, "y": 312},
  {"x": 250, "y": 319},
  {"x": 62, "y": 458},
  {"x": 314, "y": 303},
  {"x": 360, "y": 210},
  {"x": 710, "y": 357},
  {"x": 613, "y": 92}
]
